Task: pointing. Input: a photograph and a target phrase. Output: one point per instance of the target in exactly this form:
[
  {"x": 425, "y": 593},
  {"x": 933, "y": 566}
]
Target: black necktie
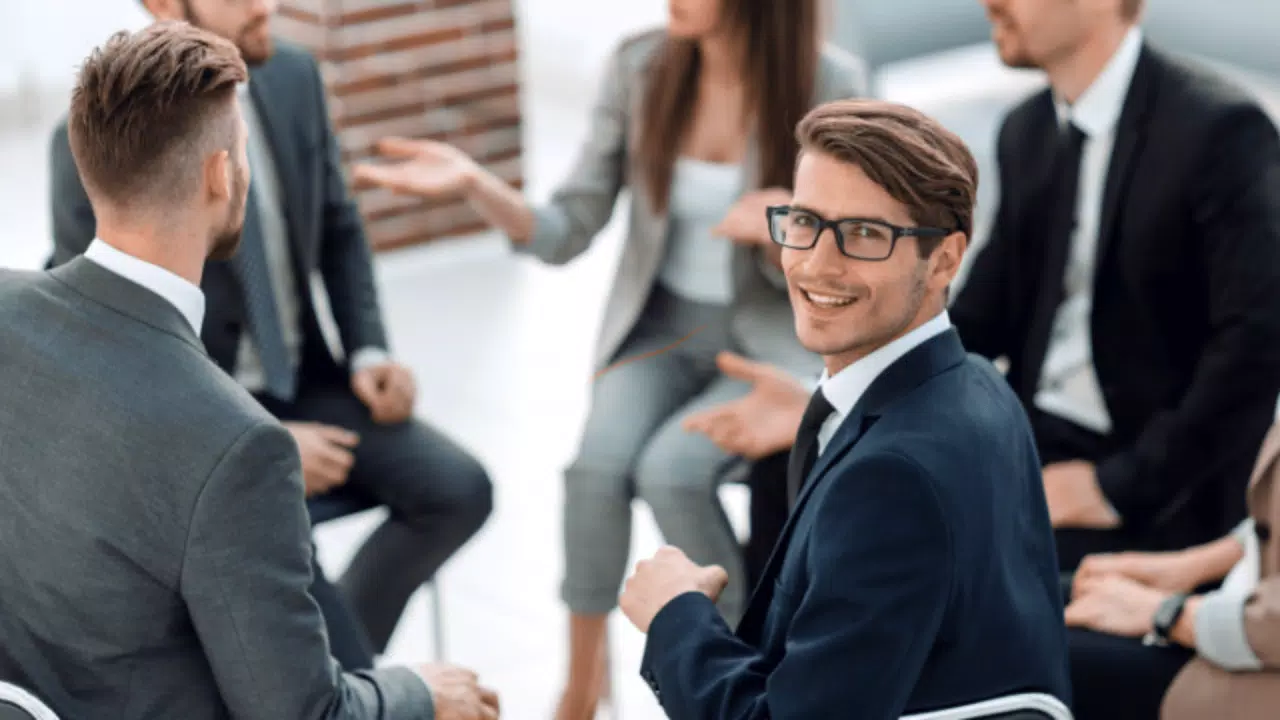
[
  {"x": 1059, "y": 221},
  {"x": 805, "y": 451},
  {"x": 1064, "y": 190}
]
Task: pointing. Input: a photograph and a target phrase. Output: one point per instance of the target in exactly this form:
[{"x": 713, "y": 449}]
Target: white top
[
  {"x": 698, "y": 265},
  {"x": 847, "y": 386},
  {"x": 1069, "y": 385},
  {"x": 186, "y": 297}
]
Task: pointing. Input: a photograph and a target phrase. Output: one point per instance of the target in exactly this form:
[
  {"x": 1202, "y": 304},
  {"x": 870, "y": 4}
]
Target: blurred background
[{"x": 500, "y": 344}]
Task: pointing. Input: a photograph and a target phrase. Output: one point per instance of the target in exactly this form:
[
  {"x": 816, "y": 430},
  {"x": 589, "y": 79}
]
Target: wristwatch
[{"x": 1166, "y": 617}]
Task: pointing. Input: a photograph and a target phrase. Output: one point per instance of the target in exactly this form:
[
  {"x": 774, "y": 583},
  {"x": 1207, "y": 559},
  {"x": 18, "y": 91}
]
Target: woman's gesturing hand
[{"x": 418, "y": 167}]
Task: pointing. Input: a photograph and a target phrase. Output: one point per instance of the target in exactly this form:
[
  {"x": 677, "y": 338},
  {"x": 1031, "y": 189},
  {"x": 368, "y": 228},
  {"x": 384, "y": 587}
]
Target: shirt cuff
[
  {"x": 1220, "y": 632},
  {"x": 365, "y": 358}
]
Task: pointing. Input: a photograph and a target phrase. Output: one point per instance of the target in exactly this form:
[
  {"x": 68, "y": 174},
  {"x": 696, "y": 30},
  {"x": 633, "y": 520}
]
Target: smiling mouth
[{"x": 826, "y": 300}]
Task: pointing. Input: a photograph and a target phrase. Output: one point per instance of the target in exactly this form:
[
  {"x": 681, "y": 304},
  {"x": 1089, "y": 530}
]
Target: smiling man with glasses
[{"x": 917, "y": 572}]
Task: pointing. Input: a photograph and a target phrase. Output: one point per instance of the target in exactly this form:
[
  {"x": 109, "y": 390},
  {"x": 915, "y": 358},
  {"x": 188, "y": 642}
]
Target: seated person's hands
[
  {"x": 326, "y": 455},
  {"x": 1075, "y": 498},
  {"x": 388, "y": 390},
  {"x": 458, "y": 694},
  {"x": 662, "y": 579},
  {"x": 763, "y": 422},
  {"x": 746, "y": 222},
  {"x": 423, "y": 167},
  {"x": 1171, "y": 572},
  {"x": 1113, "y": 604}
]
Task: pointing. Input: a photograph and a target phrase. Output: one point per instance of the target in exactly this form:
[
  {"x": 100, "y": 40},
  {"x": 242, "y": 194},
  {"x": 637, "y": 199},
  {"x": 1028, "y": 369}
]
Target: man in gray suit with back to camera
[{"x": 156, "y": 544}]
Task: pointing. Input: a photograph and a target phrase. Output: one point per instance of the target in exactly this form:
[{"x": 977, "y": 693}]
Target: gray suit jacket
[
  {"x": 156, "y": 552},
  {"x": 583, "y": 204}
]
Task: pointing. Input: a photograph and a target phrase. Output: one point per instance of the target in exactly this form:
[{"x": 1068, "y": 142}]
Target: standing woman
[{"x": 698, "y": 121}]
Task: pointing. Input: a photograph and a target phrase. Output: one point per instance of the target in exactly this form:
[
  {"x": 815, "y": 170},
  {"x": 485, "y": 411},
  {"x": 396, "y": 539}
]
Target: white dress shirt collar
[
  {"x": 1097, "y": 111},
  {"x": 845, "y": 388},
  {"x": 187, "y": 298}
]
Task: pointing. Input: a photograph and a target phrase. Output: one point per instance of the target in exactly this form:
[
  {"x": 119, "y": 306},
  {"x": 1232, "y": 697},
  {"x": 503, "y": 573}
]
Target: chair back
[
  {"x": 887, "y": 31},
  {"x": 18, "y": 704}
]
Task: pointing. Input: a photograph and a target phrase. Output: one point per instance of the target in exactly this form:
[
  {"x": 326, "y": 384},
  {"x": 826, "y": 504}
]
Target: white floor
[{"x": 500, "y": 346}]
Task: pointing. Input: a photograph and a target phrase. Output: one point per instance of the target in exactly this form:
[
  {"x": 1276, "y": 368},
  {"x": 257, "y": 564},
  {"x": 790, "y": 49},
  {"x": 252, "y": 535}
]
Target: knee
[
  {"x": 460, "y": 498},
  {"x": 672, "y": 470},
  {"x": 597, "y": 475},
  {"x": 473, "y": 499}
]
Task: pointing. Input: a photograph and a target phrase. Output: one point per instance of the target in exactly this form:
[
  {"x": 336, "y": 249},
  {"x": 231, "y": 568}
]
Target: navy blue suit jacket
[{"x": 917, "y": 570}]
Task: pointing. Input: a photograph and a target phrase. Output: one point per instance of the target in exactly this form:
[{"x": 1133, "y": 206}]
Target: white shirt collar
[
  {"x": 187, "y": 298},
  {"x": 847, "y": 386},
  {"x": 1097, "y": 111}
]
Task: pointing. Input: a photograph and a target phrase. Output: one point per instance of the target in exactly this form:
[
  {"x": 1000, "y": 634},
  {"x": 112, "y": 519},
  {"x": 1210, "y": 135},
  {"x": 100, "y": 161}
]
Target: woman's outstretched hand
[{"x": 418, "y": 167}]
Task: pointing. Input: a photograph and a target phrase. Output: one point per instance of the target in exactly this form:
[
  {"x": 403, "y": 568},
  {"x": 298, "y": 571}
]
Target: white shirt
[
  {"x": 176, "y": 290},
  {"x": 1069, "y": 385},
  {"x": 845, "y": 388}
]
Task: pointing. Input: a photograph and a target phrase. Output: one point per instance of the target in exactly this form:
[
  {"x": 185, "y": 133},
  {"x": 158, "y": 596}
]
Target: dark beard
[
  {"x": 226, "y": 244},
  {"x": 252, "y": 56}
]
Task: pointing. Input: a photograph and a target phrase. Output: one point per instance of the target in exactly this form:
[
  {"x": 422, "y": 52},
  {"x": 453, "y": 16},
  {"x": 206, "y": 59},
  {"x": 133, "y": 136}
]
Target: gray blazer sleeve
[
  {"x": 584, "y": 202},
  {"x": 74, "y": 226},
  {"x": 245, "y": 576}
]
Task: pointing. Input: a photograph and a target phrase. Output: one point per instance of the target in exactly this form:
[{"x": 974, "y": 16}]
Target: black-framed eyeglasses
[{"x": 858, "y": 238}]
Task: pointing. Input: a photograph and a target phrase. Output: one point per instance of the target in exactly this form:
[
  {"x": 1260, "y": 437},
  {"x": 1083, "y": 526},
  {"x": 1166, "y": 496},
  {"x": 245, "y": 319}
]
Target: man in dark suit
[
  {"x": 156, "y": 556},
  {"x": 1132, "y": 279},
  {"x": 917, "y": 569},
  {"x": 351, "y": 417}
]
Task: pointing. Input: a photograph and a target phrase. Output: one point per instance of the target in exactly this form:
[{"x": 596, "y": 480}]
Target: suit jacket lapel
[
  {"x": 930, "y": 358},
  {"x": 1129, "y": 137},
  {"x": 275, "y": 125}
]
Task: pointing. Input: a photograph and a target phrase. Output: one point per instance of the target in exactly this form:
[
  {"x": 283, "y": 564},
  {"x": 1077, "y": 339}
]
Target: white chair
[
  {"x": 18, "y": 704},
  {"x": 1023, "y": 706}
]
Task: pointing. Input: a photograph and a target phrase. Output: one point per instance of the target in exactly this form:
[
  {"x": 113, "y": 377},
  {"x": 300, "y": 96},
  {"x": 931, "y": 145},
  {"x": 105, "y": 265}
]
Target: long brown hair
[{"x": 779, "y": 62}]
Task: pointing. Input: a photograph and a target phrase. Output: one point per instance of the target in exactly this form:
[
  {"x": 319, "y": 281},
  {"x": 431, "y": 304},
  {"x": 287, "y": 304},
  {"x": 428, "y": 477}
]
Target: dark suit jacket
[
  {"x": 325, "y": 230},
  {"x": 1186, "y": 309},
  {"x": 156, "y": 554},
  {"x": 917, "y": 570}
]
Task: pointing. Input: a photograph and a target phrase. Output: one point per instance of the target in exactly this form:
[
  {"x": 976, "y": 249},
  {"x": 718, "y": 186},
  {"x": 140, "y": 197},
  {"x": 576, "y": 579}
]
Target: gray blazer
[
  {"x": 583, "y": 204},
  {"x": 156, "y": 550}
]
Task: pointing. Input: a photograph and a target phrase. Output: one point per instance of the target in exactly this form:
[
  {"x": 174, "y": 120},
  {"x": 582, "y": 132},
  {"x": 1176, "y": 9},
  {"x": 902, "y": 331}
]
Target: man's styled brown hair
[
  {"x": 921, "y": 164},
  {"x": 782, "y": 46},
  {"x": 148, "y": 107}
]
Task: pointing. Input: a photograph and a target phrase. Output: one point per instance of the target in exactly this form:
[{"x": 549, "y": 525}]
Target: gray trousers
[{"x": 633, "y": 446}]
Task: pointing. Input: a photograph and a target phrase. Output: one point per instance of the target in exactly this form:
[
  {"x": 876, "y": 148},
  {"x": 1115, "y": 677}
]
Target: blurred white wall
[{"x": 43, "y": 41}]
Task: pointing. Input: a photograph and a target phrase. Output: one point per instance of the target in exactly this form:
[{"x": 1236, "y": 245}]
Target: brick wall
[{"x": 443, "y": 69}]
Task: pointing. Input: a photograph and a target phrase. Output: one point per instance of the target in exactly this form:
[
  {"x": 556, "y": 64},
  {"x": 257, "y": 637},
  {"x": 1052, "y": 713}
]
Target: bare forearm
[{"x": 500, "y": 205}]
